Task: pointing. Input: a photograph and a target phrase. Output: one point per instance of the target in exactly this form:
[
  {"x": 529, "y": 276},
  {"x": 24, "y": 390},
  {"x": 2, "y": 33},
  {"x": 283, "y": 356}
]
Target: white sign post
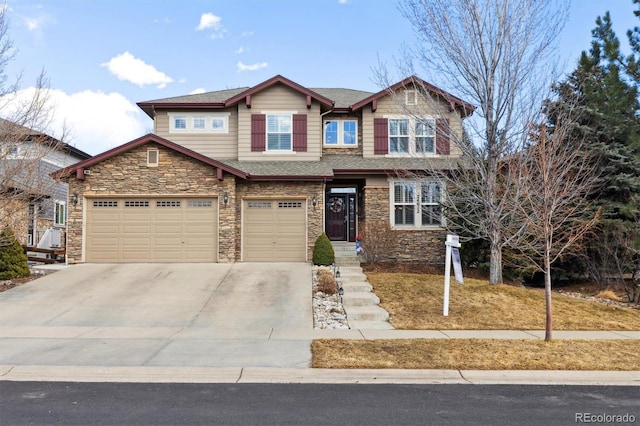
[{"x": 453, "y": 241}]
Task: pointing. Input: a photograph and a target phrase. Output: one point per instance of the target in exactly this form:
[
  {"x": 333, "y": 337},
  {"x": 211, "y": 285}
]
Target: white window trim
[
  {"x": 153, "y": 164},
  {"x": 340, "y": 143},
  {"x": 417, "y": 203},
  {"x": 412, "y": 138},
  {"x": 208, "y": 122},
  {"x": 266, "y": 136},
  {"x": 56, "y": 205},
  {"x": 411, "y": 97}
]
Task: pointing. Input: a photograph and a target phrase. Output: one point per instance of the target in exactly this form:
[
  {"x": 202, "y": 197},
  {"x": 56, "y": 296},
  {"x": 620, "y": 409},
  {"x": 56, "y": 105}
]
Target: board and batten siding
[
  {"x": 214, "y": 145},
  {"x": 387, "y": 106},
  {"x": 279, "y": 98}
]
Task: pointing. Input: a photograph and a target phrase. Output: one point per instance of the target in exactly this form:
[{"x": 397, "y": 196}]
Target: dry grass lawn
[
  {"x": 414, "y": 302},
  {"x": 475, "y": 354}
]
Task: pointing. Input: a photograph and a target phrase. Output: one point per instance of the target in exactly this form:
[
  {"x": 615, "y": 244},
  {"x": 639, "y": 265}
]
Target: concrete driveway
[{"x": 199, "y": 315}]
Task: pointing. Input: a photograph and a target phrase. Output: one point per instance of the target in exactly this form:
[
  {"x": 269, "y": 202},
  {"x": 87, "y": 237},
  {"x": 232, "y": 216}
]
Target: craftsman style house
[
  {"x": 258, "y": 173},
  {"x": 32, "y": 203}
]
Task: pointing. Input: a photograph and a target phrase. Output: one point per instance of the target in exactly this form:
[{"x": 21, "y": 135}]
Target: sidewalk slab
[
  {"x": 217, "y": 333},
  {"x": 316, "y": 333},
  {"x": 582, "y": 335},
  {"x": 403, "y": 334},
  {"x": 489, "y": 334},
  {"x": 328, "y": 375},
  {"x": 43, "y": 332}
]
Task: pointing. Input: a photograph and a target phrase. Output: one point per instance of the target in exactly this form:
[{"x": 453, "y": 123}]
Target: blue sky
[{"x": 103, "y": 56}]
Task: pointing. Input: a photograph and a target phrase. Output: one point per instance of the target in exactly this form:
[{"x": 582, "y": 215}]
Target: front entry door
[{"x": 336, "y": 223}]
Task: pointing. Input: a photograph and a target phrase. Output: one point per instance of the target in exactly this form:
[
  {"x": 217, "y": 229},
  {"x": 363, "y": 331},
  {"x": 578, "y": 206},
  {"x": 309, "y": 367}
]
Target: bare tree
[
  {"x": 494, "y": 54},
  {"x": 23, "y": 144},
  {"x": 557, "y": 177}
]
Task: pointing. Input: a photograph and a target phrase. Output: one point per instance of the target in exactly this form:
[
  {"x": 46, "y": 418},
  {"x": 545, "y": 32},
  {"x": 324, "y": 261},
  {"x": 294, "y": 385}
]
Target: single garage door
[
  {"x": 274, "y": 231},
  {"x": 152, "y": 230}
]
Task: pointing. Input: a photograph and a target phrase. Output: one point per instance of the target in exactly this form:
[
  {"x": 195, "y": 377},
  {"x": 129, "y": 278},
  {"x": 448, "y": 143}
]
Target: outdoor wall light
[
  {"x": 225, "y": 199},
  {"x": 74, "y": 198},
  {"x": 314, "y": 201}
]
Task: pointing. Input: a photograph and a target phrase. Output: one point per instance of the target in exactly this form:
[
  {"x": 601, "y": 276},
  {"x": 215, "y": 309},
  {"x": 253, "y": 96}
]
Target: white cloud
[
  {"x": 95, "y": 121},
  {"x": 182, "y": 80},
  {"x": 253, "y": 67},
  {"x": 240, "y": 50},
  {"x": 197, "y": 91},
  {"x": 209, "y": 21},
  {"x": 33, "y": 23},
  {"x": 129, "y": 68},
  {"x": 247, "y": 33}
]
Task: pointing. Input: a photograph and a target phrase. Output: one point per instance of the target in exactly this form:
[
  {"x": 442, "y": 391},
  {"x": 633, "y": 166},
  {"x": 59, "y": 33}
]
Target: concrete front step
[
  {"x": 370, "y": 325},
  {"x": 365, "y": 313},
  {"x": 353, "y": 276},
  {"x": 347, "y": 262},
  {"x": 360, "y": 299},
  {"x": 356, "y": 287}
]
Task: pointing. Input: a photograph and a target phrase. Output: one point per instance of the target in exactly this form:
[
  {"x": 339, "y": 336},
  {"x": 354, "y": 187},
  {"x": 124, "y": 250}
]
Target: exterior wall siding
[
  {"x": 279, "y": 98},
  {"x": 214, "y": 145},
  {"x": 275, "y": 190},
  {"x": 127, "y": 174}
]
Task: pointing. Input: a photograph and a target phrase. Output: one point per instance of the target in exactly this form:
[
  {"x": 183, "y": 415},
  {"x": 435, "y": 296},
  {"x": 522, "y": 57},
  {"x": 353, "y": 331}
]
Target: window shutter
[
  {"x": 380, "y": 136},
  {"x": 300, "y": 132},
  {"x": 258, "y": 132},
  {"x": 443, "y": 146}
]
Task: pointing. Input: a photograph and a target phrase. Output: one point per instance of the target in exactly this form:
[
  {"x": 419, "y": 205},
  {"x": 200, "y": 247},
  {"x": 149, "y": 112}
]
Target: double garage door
[{"x": 152, "y": 230}]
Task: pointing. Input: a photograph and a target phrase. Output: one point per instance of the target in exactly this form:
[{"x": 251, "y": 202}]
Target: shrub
[
  {"x": 326, "y": 282},
  {"x": 323, "y": 253},
  {"x": 378, "y": 241},
  {"x": 13, "y": 261}
]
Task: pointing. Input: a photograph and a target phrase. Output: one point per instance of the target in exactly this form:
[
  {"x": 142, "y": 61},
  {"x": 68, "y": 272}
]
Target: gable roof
[
  {"x": 413, "y": 81},
  {"x": 150, "y": 137},
  {"x": 337, "y": 99},
  {"x": 27, "y": 134},
  {"x": 226, "y": 98}
]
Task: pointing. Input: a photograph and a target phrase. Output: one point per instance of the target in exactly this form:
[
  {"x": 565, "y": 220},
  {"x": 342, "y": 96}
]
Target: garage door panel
[{"x": 152, "y": 230}]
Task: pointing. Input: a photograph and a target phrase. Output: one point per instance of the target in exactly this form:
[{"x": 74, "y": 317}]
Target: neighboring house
[
  {"x": 257, "y": 174},
  {"x": 32, "y": 202}
]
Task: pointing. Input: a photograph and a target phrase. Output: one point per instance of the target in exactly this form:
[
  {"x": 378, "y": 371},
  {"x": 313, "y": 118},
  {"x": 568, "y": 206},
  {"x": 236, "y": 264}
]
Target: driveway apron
[{"x": 197, "y": 315}]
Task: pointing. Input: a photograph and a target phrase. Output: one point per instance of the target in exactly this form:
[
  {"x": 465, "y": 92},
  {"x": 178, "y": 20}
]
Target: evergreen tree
[
  {"x": 13, "y": 261},
  {"x": 603, "y": 100}
]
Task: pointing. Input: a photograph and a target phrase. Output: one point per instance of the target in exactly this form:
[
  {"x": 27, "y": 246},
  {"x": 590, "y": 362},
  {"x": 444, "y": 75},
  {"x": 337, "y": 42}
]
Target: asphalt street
[{"x": 65, "y": 403}]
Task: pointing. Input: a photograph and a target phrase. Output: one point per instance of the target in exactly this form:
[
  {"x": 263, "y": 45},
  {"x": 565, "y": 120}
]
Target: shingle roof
[
  {"x": 207, "y": 97},
  {"x": 333, "y": 165},
  {"x": 343, "y": 97}
]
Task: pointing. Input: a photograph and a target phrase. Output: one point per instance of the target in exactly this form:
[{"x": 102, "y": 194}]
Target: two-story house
[
  {"x": 258, "y": 173},
  {"x": 31, "y": 202}
]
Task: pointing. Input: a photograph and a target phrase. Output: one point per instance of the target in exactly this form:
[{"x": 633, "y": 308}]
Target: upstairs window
[
  {"x": 399, "y": 135},
  {"x": 425, "y": 136},
  {"x": 199, "y": 123},
  {"x": 341, "y": 133},
  {"x": 279, "y": 132},
  {"x": 411, "y": 97}
]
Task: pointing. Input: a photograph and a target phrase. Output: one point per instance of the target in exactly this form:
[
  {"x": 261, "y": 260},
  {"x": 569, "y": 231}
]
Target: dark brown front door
[{"x": 336, "y": 217}]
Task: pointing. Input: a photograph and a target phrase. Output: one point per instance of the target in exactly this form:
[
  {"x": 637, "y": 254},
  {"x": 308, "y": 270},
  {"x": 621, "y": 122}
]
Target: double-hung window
[
  {"x": 425, "y": 136},
  {"x": 341, "y": 133},
  {"x": 416, "y": 203},
  {"x": 279, "y": 137},
  {"x": 398, "y": 135},
  {"x": 180, "y": 122}
]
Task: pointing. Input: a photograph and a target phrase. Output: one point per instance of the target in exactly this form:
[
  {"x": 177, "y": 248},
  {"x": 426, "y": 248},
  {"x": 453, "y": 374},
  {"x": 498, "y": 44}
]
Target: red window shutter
[
  {"x": 443, "y": 146},
  {"x": 300, "y": 132},
  {"x": 258, "y": 132},
  {"x": 380, "y": 136}
]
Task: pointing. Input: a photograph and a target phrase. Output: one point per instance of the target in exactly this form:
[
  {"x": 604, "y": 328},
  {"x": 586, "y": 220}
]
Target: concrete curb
[{"x": 310, "y": 375}]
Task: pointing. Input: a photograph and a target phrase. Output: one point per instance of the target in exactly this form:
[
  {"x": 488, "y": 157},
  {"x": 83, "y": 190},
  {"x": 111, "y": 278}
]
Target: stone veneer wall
[
  {"x": 271, "y": 190},
  {"x": 15, "y": 215},
  {"x": 128, "y": 174},
  {"x": 414, "y": 246}
]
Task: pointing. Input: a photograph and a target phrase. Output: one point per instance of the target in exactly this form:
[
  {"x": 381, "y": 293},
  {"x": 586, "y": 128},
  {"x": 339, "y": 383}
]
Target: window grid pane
[
  {"x": 331, "y": 133},
  {"x": 349, "y": 135},
  {"x": 399, "y": 135},
  {"x": 279, "y": 132}
]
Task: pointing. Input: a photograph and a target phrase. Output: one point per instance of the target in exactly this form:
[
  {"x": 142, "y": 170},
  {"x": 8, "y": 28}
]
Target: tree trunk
[
  {"x": 495, "y": 262},
  {"x": 547, "y": 294}
]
